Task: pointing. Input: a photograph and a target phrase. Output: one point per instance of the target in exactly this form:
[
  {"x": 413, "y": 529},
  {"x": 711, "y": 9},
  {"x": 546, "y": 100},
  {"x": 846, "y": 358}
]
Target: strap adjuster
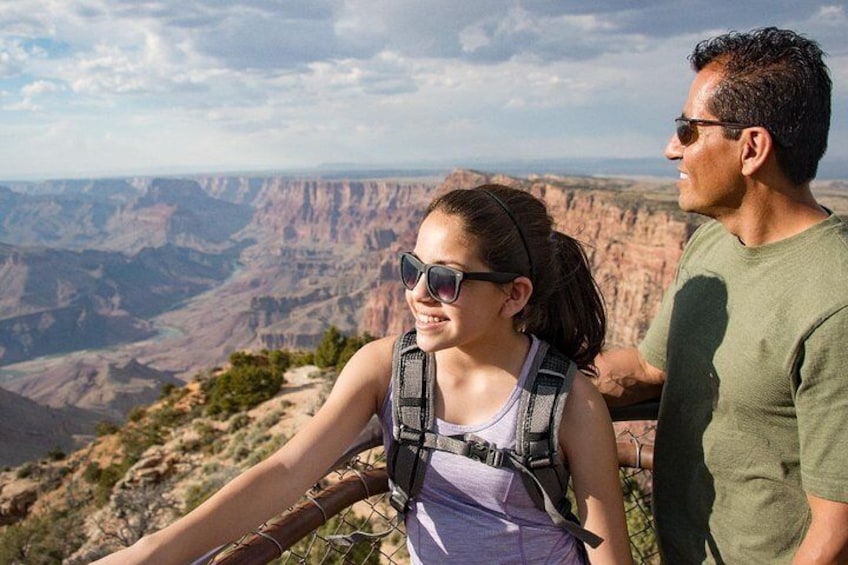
[
  {"x": 407, "y": 434},
  {"x": 541, "y": 462},
  {"x": 399, "y": 500}
]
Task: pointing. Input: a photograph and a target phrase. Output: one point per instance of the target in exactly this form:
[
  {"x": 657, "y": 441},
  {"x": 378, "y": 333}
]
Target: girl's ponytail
[{"x": 577, "y": 305}]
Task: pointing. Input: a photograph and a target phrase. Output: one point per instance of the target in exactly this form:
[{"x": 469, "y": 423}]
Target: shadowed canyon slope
[{"x": 112, "y": 288}]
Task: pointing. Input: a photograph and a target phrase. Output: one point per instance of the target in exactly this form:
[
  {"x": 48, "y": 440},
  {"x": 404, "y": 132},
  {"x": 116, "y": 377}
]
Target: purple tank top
[{"x": 468, "y": 512}]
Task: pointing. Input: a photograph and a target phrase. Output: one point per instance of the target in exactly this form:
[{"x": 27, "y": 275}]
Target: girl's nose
[{"x": 420, "y": 292}]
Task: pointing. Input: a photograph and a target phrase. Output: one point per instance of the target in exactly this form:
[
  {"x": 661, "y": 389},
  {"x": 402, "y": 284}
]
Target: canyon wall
[
  {"x": 154, "y": 280},
  {"x": 633, "y": 242},
  {"x": 214, "y": 264},
  {"x": 111, "y": 289}
]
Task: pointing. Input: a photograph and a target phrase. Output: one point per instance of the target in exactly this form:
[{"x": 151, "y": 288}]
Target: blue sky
[{"x": 115, "y": 87}]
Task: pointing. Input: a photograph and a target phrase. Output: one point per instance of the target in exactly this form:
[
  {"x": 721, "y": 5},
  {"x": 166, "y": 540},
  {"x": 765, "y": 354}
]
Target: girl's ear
[{"x": 518, "y": 293}]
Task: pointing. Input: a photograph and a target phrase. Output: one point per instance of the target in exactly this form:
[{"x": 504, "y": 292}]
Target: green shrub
[
  {"x": 330, "y": 348},
  {"x": 241, "y": 388},
  {"x": 105, "y": 479},
  {"x": 148, "y": 427},
  {"x": 240, "y": 453},
  {"x": 280, "y": 361},
  {"x": 136, "y": 439},
  {"x": 166, "y": 390},
  {"x": 56, "y": 454},
  {"x": 352, "y": 345},
  {"x": 137, "y": 413},
  {"x": 26, "y": 470},
  {"x": 168, "y": 417},
  {"x": 301, "y": 358},
  {"x": 239, "y": 421},
  {"x": 105, "y": 428},
  {"x": 336, "y": 349},
  {"x": 244, "y": 359},
  {"x": 42, "y": 540},
  {"x": 92, "y": 473},
  {"x": 207, "y": 438}
]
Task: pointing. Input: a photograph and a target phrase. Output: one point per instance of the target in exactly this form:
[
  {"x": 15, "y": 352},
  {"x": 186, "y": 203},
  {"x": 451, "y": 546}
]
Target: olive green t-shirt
[{"x": 754, "y": 411}]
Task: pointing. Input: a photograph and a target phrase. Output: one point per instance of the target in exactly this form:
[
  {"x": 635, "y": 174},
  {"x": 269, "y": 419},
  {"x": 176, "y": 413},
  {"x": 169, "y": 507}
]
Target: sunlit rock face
[{"x": 165, "y": 278}]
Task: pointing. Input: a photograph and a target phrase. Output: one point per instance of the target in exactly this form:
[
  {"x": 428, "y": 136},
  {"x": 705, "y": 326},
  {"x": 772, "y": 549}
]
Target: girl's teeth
[{"x": 428, "y": 319}]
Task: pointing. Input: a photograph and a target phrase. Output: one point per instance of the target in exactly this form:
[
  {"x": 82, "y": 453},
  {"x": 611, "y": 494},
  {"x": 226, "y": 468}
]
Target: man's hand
[{"x": 624, "y": 377}]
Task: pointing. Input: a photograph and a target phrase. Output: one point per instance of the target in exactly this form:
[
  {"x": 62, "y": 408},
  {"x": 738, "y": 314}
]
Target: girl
[{"x": 487, "y": 280}]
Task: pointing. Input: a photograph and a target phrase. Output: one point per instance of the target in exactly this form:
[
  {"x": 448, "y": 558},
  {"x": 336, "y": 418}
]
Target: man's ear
[
  {"x": 757, "y": 149},
  {"x": 518, "y": 293}
]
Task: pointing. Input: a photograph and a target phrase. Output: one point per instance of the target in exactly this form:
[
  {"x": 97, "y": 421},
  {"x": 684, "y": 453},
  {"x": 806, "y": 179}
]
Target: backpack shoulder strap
[
  {"x": 540, "y": 412},
  {"x": 536, "y": 455},
  {"x": 537, "y": 452},
  {"x": 413, "y": 378}
]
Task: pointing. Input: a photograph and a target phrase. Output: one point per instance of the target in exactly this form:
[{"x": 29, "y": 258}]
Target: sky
[{"x": 129, "y": 87}]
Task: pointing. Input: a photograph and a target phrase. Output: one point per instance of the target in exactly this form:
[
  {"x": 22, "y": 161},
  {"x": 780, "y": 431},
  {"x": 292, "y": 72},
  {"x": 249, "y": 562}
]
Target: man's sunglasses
[
  {"x": 443, "y": 283},
  {"x": 687, "y": 127}
]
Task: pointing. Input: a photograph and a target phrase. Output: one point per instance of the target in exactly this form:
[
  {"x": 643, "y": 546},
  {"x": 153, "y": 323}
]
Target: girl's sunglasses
[
  {"x": 443, "y": 283},
  {"x": 687, "y": 127}
]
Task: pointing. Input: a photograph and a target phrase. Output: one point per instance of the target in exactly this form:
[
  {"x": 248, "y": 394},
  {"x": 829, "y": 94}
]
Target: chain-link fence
[{"x": 347, "y": 518}]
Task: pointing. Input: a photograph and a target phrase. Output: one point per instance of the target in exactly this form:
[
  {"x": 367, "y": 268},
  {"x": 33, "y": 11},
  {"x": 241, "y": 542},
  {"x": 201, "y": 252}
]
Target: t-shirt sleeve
[
  {"x": 821, "y": 402},
  {"x": 653, "y": 345}
]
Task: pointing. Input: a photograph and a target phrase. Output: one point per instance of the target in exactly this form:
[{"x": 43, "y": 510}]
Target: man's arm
[
  {"x": 822, "y": 411},
  {"x": 826, "y": 541},
  {"x": 625, "y": 377}
]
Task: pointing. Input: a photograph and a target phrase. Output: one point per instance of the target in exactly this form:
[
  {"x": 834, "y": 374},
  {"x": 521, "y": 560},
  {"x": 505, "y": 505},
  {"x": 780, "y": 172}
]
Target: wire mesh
[
  {"x": 636, "y": 488},
  {"x": 361, "y": 527}
]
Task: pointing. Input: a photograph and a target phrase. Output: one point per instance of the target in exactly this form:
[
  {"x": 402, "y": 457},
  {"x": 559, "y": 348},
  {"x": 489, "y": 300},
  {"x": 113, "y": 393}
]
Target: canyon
[{"x": 113, "y": 288}]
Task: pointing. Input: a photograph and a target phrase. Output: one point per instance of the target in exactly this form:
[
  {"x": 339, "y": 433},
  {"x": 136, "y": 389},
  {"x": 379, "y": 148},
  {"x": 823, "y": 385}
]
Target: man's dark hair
[{"x": 776, "y": 79}]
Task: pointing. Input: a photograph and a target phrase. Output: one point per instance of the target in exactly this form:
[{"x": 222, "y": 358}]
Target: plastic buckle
[{"x": 485, "y": 452}]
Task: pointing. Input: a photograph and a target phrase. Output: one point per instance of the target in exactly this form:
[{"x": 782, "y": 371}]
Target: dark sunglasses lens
[
  {"x": 409, "y": 272},
  {"x": 442, "y": 284},
  {"x": 685, "y": 133}
]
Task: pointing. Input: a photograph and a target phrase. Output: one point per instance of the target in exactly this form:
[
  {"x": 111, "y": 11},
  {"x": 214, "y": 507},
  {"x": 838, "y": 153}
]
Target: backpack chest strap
[
  {"x": 478, "y": 449},
  {"x": 469, "y": 445}
]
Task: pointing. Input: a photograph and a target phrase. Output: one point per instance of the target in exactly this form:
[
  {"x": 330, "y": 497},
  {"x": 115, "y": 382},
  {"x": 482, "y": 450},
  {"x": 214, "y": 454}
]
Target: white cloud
[
  {"x": 25, "y": 105},
  {"x": 12, "y": 58},
  {"x": 267, "y": 83},
  {"x": 833, "y": 14},
  {"x": 40, "y": 87}
]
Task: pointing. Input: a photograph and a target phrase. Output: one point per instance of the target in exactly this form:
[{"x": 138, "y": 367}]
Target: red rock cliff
[{"x": 633, "y": 237}]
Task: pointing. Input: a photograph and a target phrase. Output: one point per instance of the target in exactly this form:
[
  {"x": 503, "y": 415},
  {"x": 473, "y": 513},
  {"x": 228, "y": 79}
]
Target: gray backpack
[{"x": 535, "y": 456}]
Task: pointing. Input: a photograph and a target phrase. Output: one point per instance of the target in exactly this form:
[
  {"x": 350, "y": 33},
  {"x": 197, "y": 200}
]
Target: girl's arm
[
  {"x": 276, "y": 483},
  {"x": 588, "y": 439}
]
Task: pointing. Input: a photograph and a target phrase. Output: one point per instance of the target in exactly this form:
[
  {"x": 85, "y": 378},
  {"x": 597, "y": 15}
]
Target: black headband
[{"x": 518, "y": 228}]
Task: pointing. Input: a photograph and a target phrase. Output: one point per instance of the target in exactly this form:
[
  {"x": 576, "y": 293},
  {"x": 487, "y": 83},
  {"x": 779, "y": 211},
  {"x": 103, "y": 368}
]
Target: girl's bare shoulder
[
  {"x": 378, "y": 351},
  {"x": 372, "y": 361}
]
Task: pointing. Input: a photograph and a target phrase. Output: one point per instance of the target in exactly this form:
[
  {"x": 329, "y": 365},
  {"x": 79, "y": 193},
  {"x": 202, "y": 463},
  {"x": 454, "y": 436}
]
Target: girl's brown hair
[{"x": 514, "y": 233}]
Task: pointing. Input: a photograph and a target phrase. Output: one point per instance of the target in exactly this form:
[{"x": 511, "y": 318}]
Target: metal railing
[{"x": 347, "y": 518}]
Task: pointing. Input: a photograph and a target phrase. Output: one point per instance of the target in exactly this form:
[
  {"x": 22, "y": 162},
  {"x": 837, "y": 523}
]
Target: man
[{"x": 750, "y": 347}]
